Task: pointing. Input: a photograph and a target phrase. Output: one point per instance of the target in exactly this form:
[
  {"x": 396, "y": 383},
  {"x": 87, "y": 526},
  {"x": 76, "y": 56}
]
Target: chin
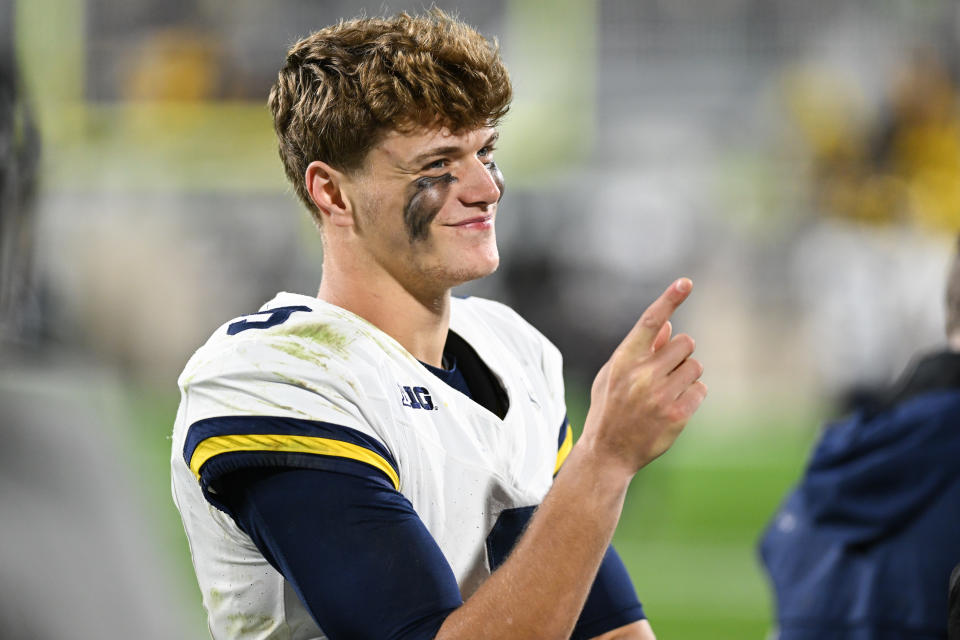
[
  {"x": 488, "y": 270},
  {"x": 462, "y": 276},
  {"x": 479, "y": 267},
  {"x": 486, "y": 263}
]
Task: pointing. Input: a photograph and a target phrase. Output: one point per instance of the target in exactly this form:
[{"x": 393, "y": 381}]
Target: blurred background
[{"x": 798, "y": 160}]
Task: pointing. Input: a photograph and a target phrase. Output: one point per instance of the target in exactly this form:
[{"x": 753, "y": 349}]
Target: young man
[{"x": 366, "y": 463}]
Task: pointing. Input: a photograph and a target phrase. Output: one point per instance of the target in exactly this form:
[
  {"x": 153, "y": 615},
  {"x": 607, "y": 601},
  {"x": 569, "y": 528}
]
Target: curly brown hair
[{"x": 344, "y": 87}]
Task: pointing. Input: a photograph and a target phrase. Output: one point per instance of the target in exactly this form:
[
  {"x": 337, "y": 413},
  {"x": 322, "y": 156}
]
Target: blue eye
[
  {"x": 486, "y": 155},
  {"x": 436, "y": 164}
]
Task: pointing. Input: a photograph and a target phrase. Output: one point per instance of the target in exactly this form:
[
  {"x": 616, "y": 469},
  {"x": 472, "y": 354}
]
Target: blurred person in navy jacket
[{"x": 863, "y": 547}]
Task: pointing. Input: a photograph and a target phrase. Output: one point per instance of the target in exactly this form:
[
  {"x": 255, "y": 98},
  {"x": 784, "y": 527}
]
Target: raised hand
[{"x": 647, "y": 391}]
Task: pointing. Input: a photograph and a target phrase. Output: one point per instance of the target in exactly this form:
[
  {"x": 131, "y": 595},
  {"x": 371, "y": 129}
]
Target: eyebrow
[{"x": 450, "y": 150}]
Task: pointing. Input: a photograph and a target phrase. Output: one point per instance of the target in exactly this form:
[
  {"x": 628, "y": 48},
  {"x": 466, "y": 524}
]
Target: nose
[{"x": 482, "y": 184}]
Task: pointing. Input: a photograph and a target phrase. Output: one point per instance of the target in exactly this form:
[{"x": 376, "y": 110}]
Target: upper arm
[
  {"x": 612, "y": 602},
  {"x": 258, "y": 400},
  {"x": 353, "y": 549},
  {"x": 219, "y": 446},
  {"x": 279, "y": 432}
]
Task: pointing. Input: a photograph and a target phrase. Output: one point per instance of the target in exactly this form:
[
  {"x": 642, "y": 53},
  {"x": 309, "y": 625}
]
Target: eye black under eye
[{"x": 426, "y": 182}]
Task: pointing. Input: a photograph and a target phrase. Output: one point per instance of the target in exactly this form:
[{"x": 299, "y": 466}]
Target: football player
[{"x": 383, "y": 460}]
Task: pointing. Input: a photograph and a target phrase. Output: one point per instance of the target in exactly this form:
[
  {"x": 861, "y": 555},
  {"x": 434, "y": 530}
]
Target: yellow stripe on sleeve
[
  {"x": 289, "y": 444},
  {"x": 564, "y": 449}
]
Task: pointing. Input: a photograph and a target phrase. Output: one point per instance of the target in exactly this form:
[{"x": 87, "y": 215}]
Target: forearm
[
  {"x": 540, "y": 590},
  {"x": 639, "y": 630},
  {"x": 640, "y": 401}
]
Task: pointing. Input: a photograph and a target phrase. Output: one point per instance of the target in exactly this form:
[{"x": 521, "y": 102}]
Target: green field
[
  {"x": 690, "y": 526},
  {"x": 688, "y": 532}
]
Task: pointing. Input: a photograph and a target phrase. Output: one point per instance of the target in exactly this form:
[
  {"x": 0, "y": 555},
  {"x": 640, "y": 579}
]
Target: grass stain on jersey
[
  {"x": 216, "y": 598},
  {"x": 238, "y": 623},
  {"x": 351, "y": 384},
  {"x": 267, "y": 402},
  {"x": 234, "y": 407},
  {"x": 311, "y": 343},
  {"x": 303, "y": 384},
  {"x": 321, "y": 334},
  {"x": 302, "y": 352}
]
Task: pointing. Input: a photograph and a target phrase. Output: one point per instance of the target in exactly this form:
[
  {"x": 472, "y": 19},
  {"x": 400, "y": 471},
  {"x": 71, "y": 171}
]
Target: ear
[{"x": 325, "y": 186}]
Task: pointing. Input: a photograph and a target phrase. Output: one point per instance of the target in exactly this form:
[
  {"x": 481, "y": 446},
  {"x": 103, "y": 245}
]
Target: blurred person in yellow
[
  {"x": 899, "y": 168},
  {"x": 919, "y": 143},
  {"x": 175, "y": 65},
  {"x": 384, "y": 460},
  {"x": 77, "y": 559},
  {"x": 864, "y": 546}
]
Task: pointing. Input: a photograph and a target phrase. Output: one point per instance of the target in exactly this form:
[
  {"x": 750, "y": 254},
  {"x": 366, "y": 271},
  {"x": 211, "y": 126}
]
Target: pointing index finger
[{"x": 642, "y": 336}]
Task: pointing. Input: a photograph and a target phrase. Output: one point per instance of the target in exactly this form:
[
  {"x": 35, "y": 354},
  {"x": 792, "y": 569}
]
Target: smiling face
[{"x": 425, "y": 204}]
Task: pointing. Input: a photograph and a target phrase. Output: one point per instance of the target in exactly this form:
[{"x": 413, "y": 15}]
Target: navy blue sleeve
[
  {"x": 612, "y": 601},
  {"x": 352, "y": 547}
]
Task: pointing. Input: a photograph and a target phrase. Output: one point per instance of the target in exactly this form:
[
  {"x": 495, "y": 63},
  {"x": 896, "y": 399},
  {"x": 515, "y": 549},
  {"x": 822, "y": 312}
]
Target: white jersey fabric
[{"x": 355, "y": 393}]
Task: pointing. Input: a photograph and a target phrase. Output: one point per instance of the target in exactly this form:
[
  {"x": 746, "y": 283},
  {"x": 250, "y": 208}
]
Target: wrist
[{"x": 595, "y": 464}]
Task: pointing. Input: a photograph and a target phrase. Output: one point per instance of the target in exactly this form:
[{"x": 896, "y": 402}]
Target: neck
[{"x": 418, "y": 320}]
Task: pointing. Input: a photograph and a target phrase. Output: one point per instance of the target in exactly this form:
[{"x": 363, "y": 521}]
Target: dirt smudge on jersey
[
  {"x": 216, "y": 598},
  {"x": 320, "y": 335},
  {"x": 240, "y": 623},
  {"x": 302, "y": 352},
  {"x": 321, "y": 394}
]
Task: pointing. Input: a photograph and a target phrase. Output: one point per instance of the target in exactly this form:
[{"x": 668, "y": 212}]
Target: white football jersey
[{"x": 329, "y": 384}]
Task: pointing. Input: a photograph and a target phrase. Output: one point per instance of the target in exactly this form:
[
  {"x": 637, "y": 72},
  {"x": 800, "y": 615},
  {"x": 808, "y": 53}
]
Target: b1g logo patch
[{"x": 417, "y": 398}]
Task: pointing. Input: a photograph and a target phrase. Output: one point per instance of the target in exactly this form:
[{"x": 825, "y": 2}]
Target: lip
[{"x": 477, "y": 222}]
